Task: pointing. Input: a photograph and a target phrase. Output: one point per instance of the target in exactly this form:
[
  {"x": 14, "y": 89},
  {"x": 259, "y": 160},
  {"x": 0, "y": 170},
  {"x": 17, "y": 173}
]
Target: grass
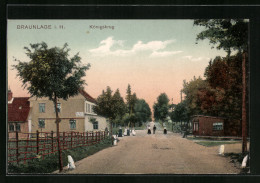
[
  {"x": 215, "y": 143},
  {"x": 50, "y": 163}
]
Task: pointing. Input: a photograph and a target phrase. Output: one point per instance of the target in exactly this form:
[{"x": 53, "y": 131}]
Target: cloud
[
  {"x": 155, "y": 47},
  {"x": 195, "y": 59},
  {"x": 164, "y": 53}
]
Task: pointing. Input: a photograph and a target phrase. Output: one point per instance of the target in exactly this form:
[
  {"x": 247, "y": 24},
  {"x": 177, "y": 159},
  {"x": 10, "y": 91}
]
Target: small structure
[
  {"x": 244, "y": 162},
  {"x": 215, "y": 126},
  {"x": 71, "y": 164},
  {"x": 221, "y": 150},
  {"x": 208, "y": 125}
]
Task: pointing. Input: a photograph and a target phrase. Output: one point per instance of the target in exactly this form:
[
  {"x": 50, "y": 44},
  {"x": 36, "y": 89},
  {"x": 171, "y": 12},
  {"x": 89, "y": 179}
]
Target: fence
[{"x": 28, "y": 146}]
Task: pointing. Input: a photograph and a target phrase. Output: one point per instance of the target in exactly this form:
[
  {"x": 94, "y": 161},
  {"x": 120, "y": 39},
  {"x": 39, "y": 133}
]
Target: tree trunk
[
  {"x": 58, "y": 134},
  {"x": 244, "y": 123}
]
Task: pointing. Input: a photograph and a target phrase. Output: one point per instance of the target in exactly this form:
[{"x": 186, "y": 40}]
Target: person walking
[
  {"x": 149, "y": 130},
  {"x": 154, "y": 128}
]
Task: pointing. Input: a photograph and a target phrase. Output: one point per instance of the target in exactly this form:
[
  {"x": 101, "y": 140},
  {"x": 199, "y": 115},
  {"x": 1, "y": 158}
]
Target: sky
[{"x": 153, "y": 56}]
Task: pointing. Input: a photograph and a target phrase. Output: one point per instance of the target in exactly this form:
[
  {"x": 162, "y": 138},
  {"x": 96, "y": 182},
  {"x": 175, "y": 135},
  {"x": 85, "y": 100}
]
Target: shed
[{"x": 208, "y": 125}]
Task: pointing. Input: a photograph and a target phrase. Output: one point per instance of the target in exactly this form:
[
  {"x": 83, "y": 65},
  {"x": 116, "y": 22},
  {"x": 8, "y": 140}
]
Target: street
[{"x": 155, "y": 154}]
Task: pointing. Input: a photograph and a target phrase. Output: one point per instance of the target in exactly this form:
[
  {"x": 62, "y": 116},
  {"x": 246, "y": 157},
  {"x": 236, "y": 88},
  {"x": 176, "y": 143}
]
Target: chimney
[{"x": 10, "y": 95}]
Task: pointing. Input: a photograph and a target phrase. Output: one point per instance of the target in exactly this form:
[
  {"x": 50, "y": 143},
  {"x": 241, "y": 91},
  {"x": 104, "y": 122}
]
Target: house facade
[
  {"x": 18, "y": 115},
  {"x": 76, "y": 114},
  {"x": 208, "y": 125}
]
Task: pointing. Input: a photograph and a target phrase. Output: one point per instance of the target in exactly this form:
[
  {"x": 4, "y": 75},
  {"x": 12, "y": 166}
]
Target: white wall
[{"x": 102, "y": 123}]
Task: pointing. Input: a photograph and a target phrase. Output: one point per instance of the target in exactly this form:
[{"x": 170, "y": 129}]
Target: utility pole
[{"x": 172, "y": 111}]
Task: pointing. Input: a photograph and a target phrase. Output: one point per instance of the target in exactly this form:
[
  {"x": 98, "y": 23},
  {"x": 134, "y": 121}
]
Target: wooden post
[
  {"x": 71, "y": 138},
  {"x": 63, "y": 140},
  {"x": 17, "y": 146},
  {"x": 52, "y": 149},
  {"x": 87, "y": 138},
  {"x": 37, "y": 142},
  {"x": 92, "y": 140}
]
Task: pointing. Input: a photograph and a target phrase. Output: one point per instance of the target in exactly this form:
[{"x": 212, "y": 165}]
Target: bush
[{"x": 50, "y": 163}]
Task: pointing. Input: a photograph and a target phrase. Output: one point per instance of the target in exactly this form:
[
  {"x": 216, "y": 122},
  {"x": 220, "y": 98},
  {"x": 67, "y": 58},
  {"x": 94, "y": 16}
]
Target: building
[
  {"x": 18, "y": 115},
  {"x": 208, "y": 125},
  {"x": 76, "y": 114}
]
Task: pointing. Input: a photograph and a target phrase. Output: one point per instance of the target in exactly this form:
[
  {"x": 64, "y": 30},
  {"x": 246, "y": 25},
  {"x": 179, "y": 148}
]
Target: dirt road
[{"x": 155, "y": 154}]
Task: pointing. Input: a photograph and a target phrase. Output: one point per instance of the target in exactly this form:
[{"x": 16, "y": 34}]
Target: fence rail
[{"x": 28, "y": 146}]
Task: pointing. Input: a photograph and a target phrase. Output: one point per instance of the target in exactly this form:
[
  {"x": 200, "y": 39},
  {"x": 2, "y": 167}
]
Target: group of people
[
  {"x": 154, "y": 129},
  {"x": 149, "y": 129}
]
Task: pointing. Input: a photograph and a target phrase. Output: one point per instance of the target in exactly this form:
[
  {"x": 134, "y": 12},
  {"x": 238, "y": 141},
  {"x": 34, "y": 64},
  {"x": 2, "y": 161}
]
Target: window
[
  {"x": 196, "y": 127},
  {"x": 11, "y": 127},
  {"x": 72, "y": 124},
  {"x": 41, "y": 107},
  {"x": 18, "y": 127},
  {"x": 218, "y": 126},
  {"x": 95, "y": 125},
  {"x": 88, "y": 108},
  {"x": 41, "y": 123},
  {"x": 58, "y": 106}
]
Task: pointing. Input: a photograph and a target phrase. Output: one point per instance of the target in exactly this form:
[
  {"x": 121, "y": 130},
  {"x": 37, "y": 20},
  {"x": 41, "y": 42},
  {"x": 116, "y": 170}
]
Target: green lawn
[{"x": 215, "y": 143}]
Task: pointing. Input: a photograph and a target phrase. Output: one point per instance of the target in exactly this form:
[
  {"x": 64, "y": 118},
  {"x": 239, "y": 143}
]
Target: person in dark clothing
[
  {"x": 164, "y": 130},
  {"x": 149, "y": 130},
  {"x": 154, "y": 128}
]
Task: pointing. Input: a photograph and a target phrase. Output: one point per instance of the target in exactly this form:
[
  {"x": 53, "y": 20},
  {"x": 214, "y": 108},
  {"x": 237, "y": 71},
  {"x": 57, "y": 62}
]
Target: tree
[
  {"x": 130, "y": 101},
  {"x": 110, "y": 106},
  {"x": 223, "y": 95},
  {"x": 51, "y": 73},
  {"x": 119, "y": 105},
  {"x": 230, "y": 34},
  {"x": 142, "y": 111},
  {"x": 191, "y": 89},
  {"x": 180, "y": 113},
  {"x": 161, "y": 107}
]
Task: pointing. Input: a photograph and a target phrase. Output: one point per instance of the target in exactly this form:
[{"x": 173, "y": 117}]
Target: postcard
[{"x": 128, "y": 96}]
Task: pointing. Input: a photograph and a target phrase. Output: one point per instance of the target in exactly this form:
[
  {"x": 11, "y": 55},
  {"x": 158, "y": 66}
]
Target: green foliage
[
  {"x": 50, "y": 72},
  {"x": 226, "y": 33},
  {"x": 50, "y": 163},
  {"x": 131, "y": 99},
  {"x": 161, "y": 107},
  {"x": 111, "y": 106},
  {"x": 191, "y": 89},
  {"x": 180, "y": 113},
  {"x": 142, "y": 111}
]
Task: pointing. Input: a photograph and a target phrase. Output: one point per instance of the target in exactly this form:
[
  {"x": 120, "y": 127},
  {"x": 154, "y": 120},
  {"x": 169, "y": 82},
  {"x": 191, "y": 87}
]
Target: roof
[
  {"x": 87, "y": 96},
  {"x": 19, "y": 109}
]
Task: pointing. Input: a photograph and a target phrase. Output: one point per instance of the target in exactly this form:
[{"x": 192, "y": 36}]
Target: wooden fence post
[
  {"x": 63, "y": 140},
  {"x": 71, "y": 138},
  {"x": 17, "y": 146},
  {"x": 92, "y": 139},
  {"x": 37, "y": 142},
  {"x": 52, "y": 150},
  {"x": 84, "y": 133},
  {"x": 87, "y": 138}
]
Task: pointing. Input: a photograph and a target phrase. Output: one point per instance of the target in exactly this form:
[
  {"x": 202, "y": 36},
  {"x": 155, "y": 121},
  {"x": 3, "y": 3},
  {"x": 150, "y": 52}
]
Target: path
[{"x": 155, "y": 154}]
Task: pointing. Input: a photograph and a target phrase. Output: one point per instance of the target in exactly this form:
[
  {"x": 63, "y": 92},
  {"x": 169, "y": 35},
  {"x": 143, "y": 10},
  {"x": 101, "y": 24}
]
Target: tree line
[{"x": 134, "y": 111}]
